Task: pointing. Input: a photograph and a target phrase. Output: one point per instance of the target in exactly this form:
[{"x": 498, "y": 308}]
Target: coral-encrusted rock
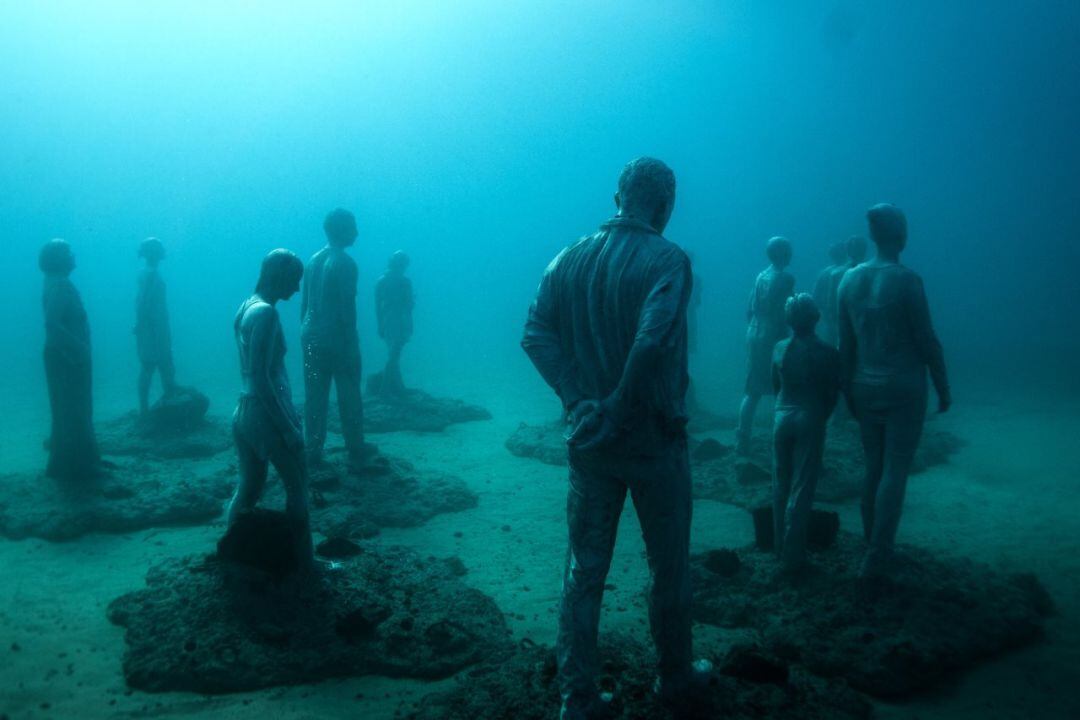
[
  {"x": 129, "y": 496},
  {"x": 934, "y": 618},
  {"x": 385, "y": 492},
  {"x": 175, "y": 427},
  {"x": 546, "y": 443},
  {"x": 207, "y": 625},
  {"x": 413, "y": 410},
  {"x": 522, "y": 685}
]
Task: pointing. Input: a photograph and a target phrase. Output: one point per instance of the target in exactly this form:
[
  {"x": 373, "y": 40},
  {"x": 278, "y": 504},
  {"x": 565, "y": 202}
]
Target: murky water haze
[{"x": 482, "y": 137}]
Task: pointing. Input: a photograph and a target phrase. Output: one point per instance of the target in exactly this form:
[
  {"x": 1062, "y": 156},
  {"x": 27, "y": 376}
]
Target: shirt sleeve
[{"x": 543, "y": 341}]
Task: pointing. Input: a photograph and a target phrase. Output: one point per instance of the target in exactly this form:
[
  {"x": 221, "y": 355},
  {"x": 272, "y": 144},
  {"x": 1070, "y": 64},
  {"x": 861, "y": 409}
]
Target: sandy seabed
[{"x": 1008, "y": 498}]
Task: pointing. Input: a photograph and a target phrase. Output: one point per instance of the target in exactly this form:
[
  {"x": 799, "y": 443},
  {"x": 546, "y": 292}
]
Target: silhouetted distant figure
[
  {"x": 73, "y": 451},
  {"x": 806, "y": 377},
  {"x": 330, "y": 340},
  {"x": 394, "y": 303},
  {"x": 825, "y": 290},
  {"x": 607, "y": 331},
  {"x": 887, "y": 342},
  {"x": 765, "y": 312},
  {"x": 266, "y": 426},
  {"x": 856, "y": 250},
  {"x": 152, "y": 336}
]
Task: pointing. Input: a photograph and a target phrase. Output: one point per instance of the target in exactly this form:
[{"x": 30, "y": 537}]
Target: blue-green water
[{"x": 481, "y": 138}]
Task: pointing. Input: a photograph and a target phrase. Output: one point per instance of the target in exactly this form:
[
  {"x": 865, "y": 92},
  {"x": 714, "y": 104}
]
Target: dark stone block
[
  {"x": 709, "y": 449},
  {"x": 263, "y": 540},
  {"x": 724, "y": 563},
  {"x": 821, "y": 531},
  {"x": 752, "y": 664}
]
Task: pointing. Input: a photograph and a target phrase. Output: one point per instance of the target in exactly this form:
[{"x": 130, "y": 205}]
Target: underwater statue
[
  {"x": 693, "y": 310},
  {"x": 607, "y": 331},
  {"x": 73, "y": 450},
  {"x": 806, "y": 377},
  {"x": 152, "y": 337},
  {"x": 887, "y": 342},
  {"x": 765, "y": 313},
  {"x": 856, "y": 252},
  {"x": 330, "y": 340},
  {"x": 828, "y": 280},
  {"x": 266, "y": 426},
  {"x": 393, "y": 310}
]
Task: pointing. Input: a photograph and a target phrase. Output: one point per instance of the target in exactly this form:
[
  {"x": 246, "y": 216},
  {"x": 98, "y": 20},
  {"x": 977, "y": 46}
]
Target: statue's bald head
[
  {"x": 801, "y": 313},
  {"x": 856, "y": 249},
  {"x": 152, "y": 250},
  {"x": 56, "y": 258},
  {"x": 398, "y": 262},
  {"x": 778, "y": 250},
  {"x": 647, "y": 192},
  {"x": 838, "y": 252},
  {"x": 888, "y": 227},
  {"x": 340, "y": 227}
]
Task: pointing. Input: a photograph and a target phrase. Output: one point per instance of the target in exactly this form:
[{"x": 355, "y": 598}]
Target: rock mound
[
  {"x": 131, "y": 495},
  {"x": 385, "y": 492},
  {"x": 175, "y": 427},
  {"x": 747, "y": 482},
  {"x": 935, "y": 617},
  {"x": 521, "y": 685},
  {"x": 204, "y": 624},
  {"x": 413, "y": 410}
]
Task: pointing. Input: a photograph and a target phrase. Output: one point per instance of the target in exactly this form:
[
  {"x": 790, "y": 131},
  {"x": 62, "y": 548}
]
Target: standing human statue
[
  {"x": 887, "y": 342},
  {"x": 266, "y": 426},
  {"x": 825, "y": 290},
  {"x": 73, "y": 450},
  {"x": 765, "y": 313},
  {"x": 806, "y": 377},
  {"x": 330, "y": 340},
  {"x": 856, "y": 251},
  {"x": 607, "y": 331},
  {"x": 153, "y": 339},
  {"x": 394, "y": 303},
  {"x": 693, "y": 311}
]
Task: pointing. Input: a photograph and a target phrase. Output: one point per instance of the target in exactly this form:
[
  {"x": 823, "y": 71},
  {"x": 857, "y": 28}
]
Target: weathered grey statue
[
  {"x": 806, "y": 377},
  {"x": 825, "y": 290},
  {"x": 266, "y": 426},
  {"x": 73, "y": 451},
  {"x": 607, "y": 331},
  {"x": 330, "y": 340},
  {"x": 152, "y": 337},
  {"x": 887, "y": 342},
  {"x": 765, "y": 313},
  {"x": 394, "y": 303}
]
